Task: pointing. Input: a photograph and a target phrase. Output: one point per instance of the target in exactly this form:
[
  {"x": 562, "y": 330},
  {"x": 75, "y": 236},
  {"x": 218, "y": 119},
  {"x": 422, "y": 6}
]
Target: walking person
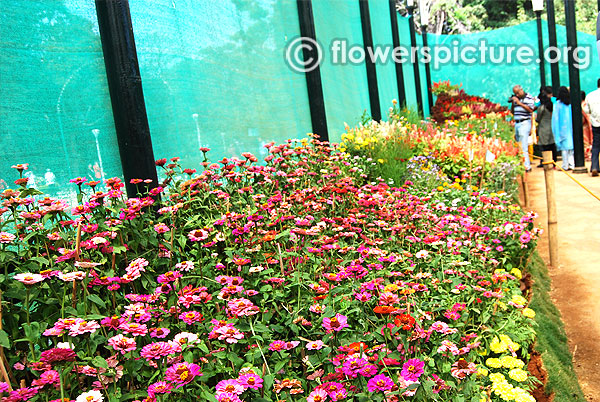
[
  {"x": 587, "y": 129},
  {"x": 592, "y": 108},
  {"x": 522, "y": 107},
  {"x": 544, "y": 120},
  {"x": 562, "y": 127}
]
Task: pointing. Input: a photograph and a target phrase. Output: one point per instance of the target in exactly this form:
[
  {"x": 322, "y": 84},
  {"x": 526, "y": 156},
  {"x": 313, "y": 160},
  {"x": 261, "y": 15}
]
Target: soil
[
  {"x": 536, "y": 368},
  {"x": 575, "y": 285}
]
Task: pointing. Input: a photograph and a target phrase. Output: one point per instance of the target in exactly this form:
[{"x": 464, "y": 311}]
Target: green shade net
[
  {"x": 495, "y": 81},
  {"x": 381, "y": 27},
  {"x": 345, "y": 87},
  {"x": 55, "y": 111},
  {"x": 214, "y": 75},
  {"x": 407, "y": 67}
]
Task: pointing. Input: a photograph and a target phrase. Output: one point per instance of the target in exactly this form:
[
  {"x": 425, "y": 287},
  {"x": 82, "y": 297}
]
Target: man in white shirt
[
  {"x": 592, "y": 108},
  {"x": 522, "y": 106}
]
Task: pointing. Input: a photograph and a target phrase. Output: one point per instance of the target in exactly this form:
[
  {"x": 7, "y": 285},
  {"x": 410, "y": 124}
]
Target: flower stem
[
  {"x": 62, "y": 387},
  {"x": 31, "y": 348}
]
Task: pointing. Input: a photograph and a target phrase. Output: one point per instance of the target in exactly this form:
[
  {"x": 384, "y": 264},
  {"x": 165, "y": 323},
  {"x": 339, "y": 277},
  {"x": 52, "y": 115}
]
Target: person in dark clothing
[{"x": 544, "y": 120}]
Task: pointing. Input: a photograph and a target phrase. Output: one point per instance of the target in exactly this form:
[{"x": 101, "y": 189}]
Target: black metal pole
[
  {"x": 313, "y": 76},
  {"x": 365, "y": 22},
  {"x": 575, "y": 87},
  {"x": 427, "y": 71},
  {"x": 541, "y": 49},
  {"x": 552, "y": 42},
  {"x": 126, "y": 95},
  {"x": 396, "y": 43},
  {"x": 413, "y": 48}
]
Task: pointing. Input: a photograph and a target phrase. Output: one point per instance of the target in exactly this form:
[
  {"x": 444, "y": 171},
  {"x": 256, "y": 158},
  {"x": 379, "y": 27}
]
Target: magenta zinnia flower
[
  {"x": 336, "y": 323},
  {"x": 182, "y": 373},
  {"x": 160, "y": 387},
  {"x": 380, "y": 382},
  {"x": 412, "y": 369}
]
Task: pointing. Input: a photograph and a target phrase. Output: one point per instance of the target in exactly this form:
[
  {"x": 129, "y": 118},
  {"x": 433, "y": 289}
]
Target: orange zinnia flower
[{"x": 384, "y": 309}]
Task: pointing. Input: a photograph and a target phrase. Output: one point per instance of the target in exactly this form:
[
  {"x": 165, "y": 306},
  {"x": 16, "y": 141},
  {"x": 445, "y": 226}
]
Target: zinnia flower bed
[
  {"x": 465, "y": 156},
  {"x": 453, "y": 103},
  {"x": 296, "y": 280}
]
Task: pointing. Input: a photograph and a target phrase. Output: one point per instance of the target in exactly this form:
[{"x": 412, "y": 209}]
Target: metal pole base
[{"x": 581, "y": 169}]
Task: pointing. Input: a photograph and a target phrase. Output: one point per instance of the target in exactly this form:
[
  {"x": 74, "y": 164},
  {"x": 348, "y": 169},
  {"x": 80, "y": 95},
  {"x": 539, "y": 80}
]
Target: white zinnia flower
[{"x": 90, "y": 396}]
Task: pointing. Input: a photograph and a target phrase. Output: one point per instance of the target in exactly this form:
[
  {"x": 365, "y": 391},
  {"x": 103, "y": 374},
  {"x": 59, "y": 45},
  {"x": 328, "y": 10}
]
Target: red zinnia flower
[{"x": 58, "y": 355}]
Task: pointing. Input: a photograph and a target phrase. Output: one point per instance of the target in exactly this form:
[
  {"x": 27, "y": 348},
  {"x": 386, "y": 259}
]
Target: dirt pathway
[{"x": 576, "y": 281}]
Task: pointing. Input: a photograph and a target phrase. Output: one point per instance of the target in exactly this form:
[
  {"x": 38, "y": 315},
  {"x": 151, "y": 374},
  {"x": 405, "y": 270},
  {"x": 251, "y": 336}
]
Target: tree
[{"x": 465, "y": 16}]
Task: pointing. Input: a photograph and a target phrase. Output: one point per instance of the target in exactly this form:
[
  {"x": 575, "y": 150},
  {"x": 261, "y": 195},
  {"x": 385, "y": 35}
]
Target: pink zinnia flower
[
  {"x": 198, "y": 235},
  {"x": 336, "y": 323},
  {"x": 412, "y": 369},
  {"x": 369, "y": 370},
  {"x": 227, "y": 397},
  {"x": 78, "y": 180},
  {"x": 170, "y": 276},
  {"x": 28, "y": 278},
  {"x": 23, "y": 394},
  {"x": 155, "y": 350},
  {"x": 134, "y": 328},
  {"x": 250, "y": 380},
  {"x": 315, "y": 345},
  {"x": 352, "y": 366},
  {"x": 242, "y": 307},
  {"x": 6, "y": 237},
  {"x": 47, "y": 377},
  {"x": 318, "y": 395},
  {"x": 159, "y": 332},
  {"x": 281, "y": 345},
  {"x": 112, "y": 322},
  {"x": 228, "y": 333},
  {"x": 83, "y": 327},
  {"x": 136, "y": 267},
  {"x": 380, "y": 382},
  {"x": 122, "y": 344},
  {"x": 190, "y": 317},
  {"x": 525, "y": 238},
  {"x": 185, "y": 266},
  {"x": 461, "y": 369},
  {"x": 232, "y": 386},
  {"x": 332, "y": 387},
  {"x": 161, "y": 228}
]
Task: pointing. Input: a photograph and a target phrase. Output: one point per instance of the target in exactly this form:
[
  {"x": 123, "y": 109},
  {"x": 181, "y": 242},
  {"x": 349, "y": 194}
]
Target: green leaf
[
  {"x": 203, "y": 347},
  {"x": 279, "y": 365},
  {"x": 97, "y": 300},
  {"x": 119, "y": 249},
  {"x": 207, "y": 396},
  {"x": 99, "y": 361},
  {"x": 95, "y": 316},
  {"x": 40, "y": 260},
  {"x": 4, "y": 341}
]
